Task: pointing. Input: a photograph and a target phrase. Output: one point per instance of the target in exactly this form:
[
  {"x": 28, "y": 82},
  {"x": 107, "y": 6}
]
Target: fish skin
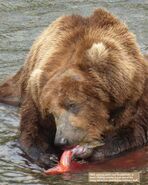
[{"x": 63, "y": 166}]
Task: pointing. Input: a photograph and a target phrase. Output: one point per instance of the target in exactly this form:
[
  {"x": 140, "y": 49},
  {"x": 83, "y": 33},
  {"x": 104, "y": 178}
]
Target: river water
[{"x": 20, "y": 22}]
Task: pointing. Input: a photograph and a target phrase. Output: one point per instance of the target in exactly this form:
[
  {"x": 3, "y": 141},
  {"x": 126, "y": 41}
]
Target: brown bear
[{"x": 84, "y": 82}]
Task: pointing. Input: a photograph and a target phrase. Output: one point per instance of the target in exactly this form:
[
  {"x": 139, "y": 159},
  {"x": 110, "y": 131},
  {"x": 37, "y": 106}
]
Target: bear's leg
[
  {"x": 37, "y": 135},
  {"x": 10, "y": 90},
  {"x": 129, "y": 136},
  {"x": 123, "y": 139}
]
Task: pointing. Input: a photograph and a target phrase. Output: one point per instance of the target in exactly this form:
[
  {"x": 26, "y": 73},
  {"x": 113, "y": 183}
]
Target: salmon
[{"x": 64, "y": 164}]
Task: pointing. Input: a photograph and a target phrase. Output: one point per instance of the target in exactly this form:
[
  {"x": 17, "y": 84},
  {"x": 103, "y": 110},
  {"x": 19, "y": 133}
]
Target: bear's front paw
[
  {"x": 40, "y": 157},
  {"x": 98, "y": 154},
  {"x": 47, "y": 160}
]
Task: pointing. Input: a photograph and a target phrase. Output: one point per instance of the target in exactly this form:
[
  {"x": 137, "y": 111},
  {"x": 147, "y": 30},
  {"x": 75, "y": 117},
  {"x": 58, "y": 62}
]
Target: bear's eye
[{"x": 72, "y": 107}]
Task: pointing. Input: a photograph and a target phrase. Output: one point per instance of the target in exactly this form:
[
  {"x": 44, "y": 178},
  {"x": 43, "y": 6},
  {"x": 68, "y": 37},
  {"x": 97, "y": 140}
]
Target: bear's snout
[{"x": 60, "y": 141}]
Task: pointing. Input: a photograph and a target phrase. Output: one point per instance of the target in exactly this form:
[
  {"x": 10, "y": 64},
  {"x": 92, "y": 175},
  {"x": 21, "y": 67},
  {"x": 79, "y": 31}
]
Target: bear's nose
[{"x": 61, "y": 141}]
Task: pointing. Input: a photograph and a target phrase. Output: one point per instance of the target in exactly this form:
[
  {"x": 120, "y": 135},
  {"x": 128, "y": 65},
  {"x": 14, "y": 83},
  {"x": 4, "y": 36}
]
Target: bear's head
[{"x": 81, "y": 95}]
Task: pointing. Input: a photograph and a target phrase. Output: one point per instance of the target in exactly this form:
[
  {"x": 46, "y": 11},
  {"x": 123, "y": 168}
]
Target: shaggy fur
[{"x": 86, "y": 77}]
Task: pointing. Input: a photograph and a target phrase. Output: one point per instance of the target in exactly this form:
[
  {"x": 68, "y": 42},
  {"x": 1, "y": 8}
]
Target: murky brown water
[{"x": 20, "y": 22}]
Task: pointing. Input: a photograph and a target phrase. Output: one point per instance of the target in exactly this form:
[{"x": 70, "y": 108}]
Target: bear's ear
[{"x": 97, "y": 52}]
